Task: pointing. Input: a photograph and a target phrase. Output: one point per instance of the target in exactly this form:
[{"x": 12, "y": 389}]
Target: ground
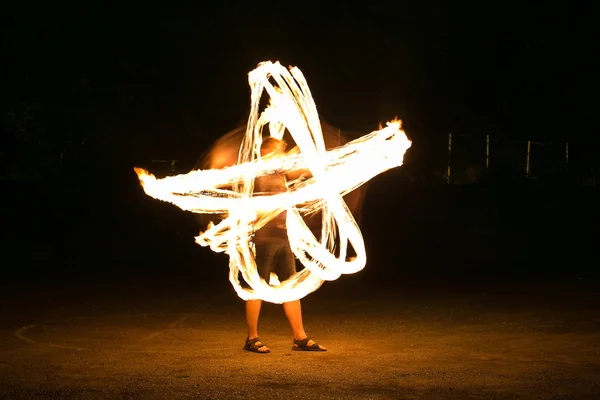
[
  {"x": 484, "y": 292},
  {"x": 167, "y": 339}
]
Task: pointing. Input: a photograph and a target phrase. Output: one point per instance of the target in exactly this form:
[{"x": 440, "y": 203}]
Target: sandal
[
  {"x": 254, "y": 344},
  {"x": 302, "y": 345}
]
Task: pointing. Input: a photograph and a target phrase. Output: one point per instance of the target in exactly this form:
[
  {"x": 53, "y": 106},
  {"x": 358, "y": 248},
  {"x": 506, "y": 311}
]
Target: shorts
[{"x": 275, "y": 256}]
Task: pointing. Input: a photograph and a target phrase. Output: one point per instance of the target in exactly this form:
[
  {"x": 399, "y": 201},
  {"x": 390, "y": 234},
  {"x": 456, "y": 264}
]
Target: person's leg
[
  {"x": 264, "y": 261},
  {"x": 293, "y": 312},
  {"x": 252, "y": 314},
  {"x": 292, "y": 309}
]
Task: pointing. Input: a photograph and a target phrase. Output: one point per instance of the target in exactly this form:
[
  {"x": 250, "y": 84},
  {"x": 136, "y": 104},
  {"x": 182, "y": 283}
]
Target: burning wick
[{"x": 332, "y": 174}]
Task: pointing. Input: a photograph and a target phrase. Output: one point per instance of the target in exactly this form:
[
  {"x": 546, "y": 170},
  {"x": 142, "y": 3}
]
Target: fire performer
[
  {"x": 232, "y": 192},
  {"x": 274, "y": 256}
]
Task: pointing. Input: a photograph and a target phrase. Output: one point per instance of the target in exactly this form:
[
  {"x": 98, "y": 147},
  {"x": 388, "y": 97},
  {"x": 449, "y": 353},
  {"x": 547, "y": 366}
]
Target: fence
[
  {"x": 468, "y": 159},
  {"x": 465, "y": 159}
]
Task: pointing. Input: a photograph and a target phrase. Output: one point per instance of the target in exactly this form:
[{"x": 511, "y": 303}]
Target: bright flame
[{"x": 333, "y": 174}]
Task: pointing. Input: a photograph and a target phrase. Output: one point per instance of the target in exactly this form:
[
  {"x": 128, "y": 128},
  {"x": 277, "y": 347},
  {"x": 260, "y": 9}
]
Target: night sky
[
  {"x": 90, "y": 91},
  {"x": 131, "y": 83}
]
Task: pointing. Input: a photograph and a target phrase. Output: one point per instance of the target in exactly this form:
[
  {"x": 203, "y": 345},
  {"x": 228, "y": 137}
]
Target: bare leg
[
  {"x": 293, "y": 312},
  {"x": 252, "y": 314}
]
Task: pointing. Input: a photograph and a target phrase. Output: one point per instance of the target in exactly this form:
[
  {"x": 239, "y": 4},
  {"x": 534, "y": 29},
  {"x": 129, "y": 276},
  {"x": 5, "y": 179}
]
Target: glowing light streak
[{"x": 329, "y": 176}]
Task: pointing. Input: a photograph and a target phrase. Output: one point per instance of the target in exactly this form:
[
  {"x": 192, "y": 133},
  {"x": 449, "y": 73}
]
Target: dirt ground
[{"x": 411, "y": 341}]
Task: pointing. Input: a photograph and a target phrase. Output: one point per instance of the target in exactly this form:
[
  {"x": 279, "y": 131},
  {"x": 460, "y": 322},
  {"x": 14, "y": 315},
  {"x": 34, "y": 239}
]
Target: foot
[
  {"x": 307, "y": 344},
  {"x": 256, "y": 346}
]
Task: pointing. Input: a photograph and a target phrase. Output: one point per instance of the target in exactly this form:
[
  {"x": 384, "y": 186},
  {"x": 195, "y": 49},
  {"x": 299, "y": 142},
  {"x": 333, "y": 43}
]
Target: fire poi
[{"x": 321, "y": 179}]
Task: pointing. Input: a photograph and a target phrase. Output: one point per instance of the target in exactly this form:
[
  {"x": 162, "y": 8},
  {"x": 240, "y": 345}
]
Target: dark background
[{"x": 89, "y": 91}]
